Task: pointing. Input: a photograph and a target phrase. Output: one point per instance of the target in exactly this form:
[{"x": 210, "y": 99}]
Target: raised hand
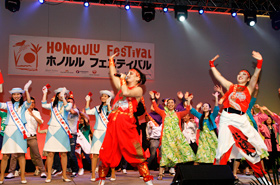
[
  {"x": 152, "y": 94},
  {"x": 87, "y": 98},
  {"x": 199, "y": 105},
  {"x": 216, "y": 94},
  {"x": 27, "y": 85},
  {"x": 256, "y": 55},
  {"x": 157, "y": 95},
  {"x": 45, "y": 90},
  {"x": 218, "y": 89},
  {"x": 180, "y": 95}
]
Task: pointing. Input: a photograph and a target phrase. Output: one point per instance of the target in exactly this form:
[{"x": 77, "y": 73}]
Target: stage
[{"x": 132, "y": 177}]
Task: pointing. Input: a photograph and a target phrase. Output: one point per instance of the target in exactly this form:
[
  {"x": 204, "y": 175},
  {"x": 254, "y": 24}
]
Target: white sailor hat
[
  {"x": 109, "y": 93},
  {"x": 60, "y": 89},
  {"x": 16, "y": 90}
]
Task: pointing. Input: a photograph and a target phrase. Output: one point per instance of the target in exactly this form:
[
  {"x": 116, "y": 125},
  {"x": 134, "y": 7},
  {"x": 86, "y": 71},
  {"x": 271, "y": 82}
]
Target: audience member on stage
[
  {"x": 154, "y": 128},
  {"x": 174, "y": 146},
  {"x": 85, "y": 130},
  {"x": 207, "y": 138},
  {"x": 270, "y": 130},
  {"x": 15, "y": 134},
  {"x": 189, "y": 130},
  {"x": 59, "y": 133},
  {"x": 101, "y": 113},
  {"x": 73, "y": 121},
  {"x": 234, "y": 125},
  {"x": 121, "y": 137}
]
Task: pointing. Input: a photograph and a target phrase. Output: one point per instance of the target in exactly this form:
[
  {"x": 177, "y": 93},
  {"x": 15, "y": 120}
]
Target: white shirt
[
  {"x": 190, "y": 131},
  {"x": 73, "y": 121},
  {"x": 153, "y": 132},
  {"x": 32, "y": 124}
]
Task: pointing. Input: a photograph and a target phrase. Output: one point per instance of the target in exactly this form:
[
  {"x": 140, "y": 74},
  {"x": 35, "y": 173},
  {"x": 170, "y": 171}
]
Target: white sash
[
  {"x": 16, "y": 119},
  {"x": 61, "y": 121},
  {"x": 103, "y": 118}
]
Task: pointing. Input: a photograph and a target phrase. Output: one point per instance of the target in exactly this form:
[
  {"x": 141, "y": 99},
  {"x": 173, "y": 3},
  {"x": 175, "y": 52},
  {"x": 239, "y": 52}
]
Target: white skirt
[
  {"x": 13, "y": 141},
  {"x": 57, "y": 140},
  {"x": 226, "y": 140},
  {"x": 97, "y": 140}
]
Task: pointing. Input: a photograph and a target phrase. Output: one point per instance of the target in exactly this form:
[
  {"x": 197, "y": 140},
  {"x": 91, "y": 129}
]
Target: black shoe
[{"x": 74, "y": 174}]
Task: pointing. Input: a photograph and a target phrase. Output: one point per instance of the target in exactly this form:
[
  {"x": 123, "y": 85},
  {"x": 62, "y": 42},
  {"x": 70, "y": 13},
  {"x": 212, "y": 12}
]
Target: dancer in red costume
[
  {"x": 121, "y": 137},
  {"x": 237, "y": 138}
]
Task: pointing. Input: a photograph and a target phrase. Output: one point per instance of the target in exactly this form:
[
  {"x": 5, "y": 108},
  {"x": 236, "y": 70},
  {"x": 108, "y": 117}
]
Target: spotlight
[
  {"x": 181, "y": 13},
  {"x": 201, "y": 11},
  {"x": 165, "y": 9},
  {"x": 12, "y": 5},
  {"x": 233, "y": 13},
  {"x": 275, "y": 20},
  {"x": 127, "y": 6},
  {"x": 148, "y": 12},
  {"x": 250, "y": 17},
  {"x": 86, "y": 3},
  {"x": 41, "y": 1}
]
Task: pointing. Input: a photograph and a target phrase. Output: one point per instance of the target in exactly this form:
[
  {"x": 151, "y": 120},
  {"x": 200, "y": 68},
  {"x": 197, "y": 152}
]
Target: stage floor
[{"x": 132, "y": 177}]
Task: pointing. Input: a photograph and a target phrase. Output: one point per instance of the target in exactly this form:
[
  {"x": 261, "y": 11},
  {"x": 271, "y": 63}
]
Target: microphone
[{"x": 117, "y": 75}]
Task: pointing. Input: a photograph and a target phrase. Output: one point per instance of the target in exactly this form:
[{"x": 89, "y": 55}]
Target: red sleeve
[
  {"x": 158, "y": 110},
  {"x": 181, "y": 114}
]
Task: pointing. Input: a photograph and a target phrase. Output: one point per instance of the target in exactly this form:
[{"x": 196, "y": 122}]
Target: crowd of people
[{"x": 237, "y": 129}]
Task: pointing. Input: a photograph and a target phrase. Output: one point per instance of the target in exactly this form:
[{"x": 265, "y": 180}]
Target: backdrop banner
[{"x": 68, "y": 57}]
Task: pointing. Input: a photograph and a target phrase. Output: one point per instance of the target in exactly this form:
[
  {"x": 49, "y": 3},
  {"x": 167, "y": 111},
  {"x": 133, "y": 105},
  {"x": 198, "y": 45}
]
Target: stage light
[
  {"x": 148, "y": 12},
  {"x": 12, "y": 5},
  {"x": 165, "y": 9},
  {"x": 86, "y": 3},
  {"x": 201, "y": 11},
  {"x": 233, "y": 13},
  {"x": 41, "y": 1},
  {"x": 275, "y": 20},
  {"x": 250, "y": 17},
  {"x": 127, "y": 6},
  {"x": 181, "y": 13}
]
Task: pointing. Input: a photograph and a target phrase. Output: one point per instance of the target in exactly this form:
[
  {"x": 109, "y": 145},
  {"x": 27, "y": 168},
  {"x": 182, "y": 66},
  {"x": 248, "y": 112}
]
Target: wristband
[
  {"x": 111, "y": 62},
  {"x": 211, "y": 63},
  {"x": 123, "y": 82},
  {"x": 259, "y": 64},
  {"x": 152, "y": 98}
]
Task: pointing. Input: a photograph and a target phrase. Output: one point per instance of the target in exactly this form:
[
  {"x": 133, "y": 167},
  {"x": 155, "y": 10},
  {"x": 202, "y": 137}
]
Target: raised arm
[
  {"x": 45, "y": 92},
  {"x": 224, "y": 82},
  {"x": 87, "y": 98},
  {"x": 216, "y": 95},
  {"x": 113, "y": 71},
  {"x": 255, "y": 77},
  {"x": 156, "y": 108},
  {"x": 26, "y": 86}
]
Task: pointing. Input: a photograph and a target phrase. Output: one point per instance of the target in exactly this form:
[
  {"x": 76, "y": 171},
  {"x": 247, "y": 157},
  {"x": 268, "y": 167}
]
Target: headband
[
  {"x": 246, "y": 73},
  {"x": 136, "y": 72}
]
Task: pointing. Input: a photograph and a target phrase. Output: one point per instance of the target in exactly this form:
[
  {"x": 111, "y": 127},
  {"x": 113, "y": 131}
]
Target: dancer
[
  {"x": 174, "y": 146},
  {"x": 207, "y": 140},
  {"x": 72, "y": 119},
  {"x": 270, "y": 130},
  {"x": 121, "y": 137},
  {"x": 83, "y": 141},
  {"x": 235, "y": 130},
  {"x": 15, "y": 133},
  {"x": 101, "y": 113},
  {"x": 57, "y": 139}
]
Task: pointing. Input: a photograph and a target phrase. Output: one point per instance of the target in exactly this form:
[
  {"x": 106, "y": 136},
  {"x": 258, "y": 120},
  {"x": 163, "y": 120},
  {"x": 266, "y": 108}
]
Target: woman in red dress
[{"x": 122, "y": 138}]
